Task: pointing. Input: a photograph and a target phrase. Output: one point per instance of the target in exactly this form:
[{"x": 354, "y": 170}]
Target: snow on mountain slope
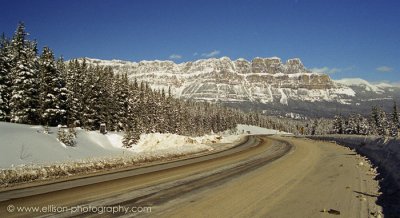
[
  {"x": 264, "y": 80},
  {"x": 363, "y": 83}
]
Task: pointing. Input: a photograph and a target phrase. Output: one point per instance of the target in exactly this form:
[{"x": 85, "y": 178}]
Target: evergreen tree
[
  {"x": 63, "y": 91},
  {"x": 74, "y": 87},
  {"x": 131, "y": 136},
  {"x": 51, "y": 88},
  {"x": 5, "y": 78},
  {"x": 351, "y": 125},
  {"x": 314, "y": 127},
  {"x": 376, "y": 122},
  {"x": 121, "y": 96},
  {"x": 105, "y": 98},
  {"x": 380, "y": 120},
  {"x": 362, "y": 125},
  {"x": 385, "y": 124},
  {"x": 91, "y": 98},
  {"x": 338, "y": 125},
  {"x": 25, "y": 97}
]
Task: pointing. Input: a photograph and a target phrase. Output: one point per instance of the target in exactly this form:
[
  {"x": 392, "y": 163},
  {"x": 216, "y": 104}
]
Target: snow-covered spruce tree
[
  {"x": 106, "y": 100},
  {"x": 385, "y": 123},
  {"x": 63, "y": 93},
  {"x": 91, "y": 99},
  {"x": 376, "y": 121},
  {"x": 338, "y": 125},
  {"x": 131, "y": 137},
  {"x": 380, "y": 120},
  {"x": 51, "y": 88},
  {"x": 114, "y": 122},
  {"x": 172, "y": 117},
  {"x": 351, "y": 125},
  {"x": 162, "y": 126},
  {"x": 121, "y": 96},
  {"x": 132, "y": 118},
  {"x": 5, "y": 78},
  {"x": 314, "y": 127},
  {"x": 127, "y": 141},
  {"x": 67, "y": 137},
  {"x": 103, "y": 101},
  {"x": 24, "y": 73},
  {"x": 74, "y": 86},
  {"x": 363, "y": 127}
]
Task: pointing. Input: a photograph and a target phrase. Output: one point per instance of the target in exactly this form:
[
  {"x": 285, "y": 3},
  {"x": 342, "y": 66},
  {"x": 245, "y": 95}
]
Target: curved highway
[{"x": 261, "y": 177}]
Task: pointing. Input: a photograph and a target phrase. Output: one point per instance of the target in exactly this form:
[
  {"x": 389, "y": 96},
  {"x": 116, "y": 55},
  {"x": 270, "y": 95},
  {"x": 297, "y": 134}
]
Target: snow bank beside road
[
  {"x": 27, "y": 153},
  {"x": 26, "y": 145},
  {"x": 176, "y": 144},
  {"x": 385, "y": 154}
]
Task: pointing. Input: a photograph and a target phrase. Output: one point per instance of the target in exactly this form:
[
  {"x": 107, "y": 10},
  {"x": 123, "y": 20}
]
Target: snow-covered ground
[
  {"x": 25, "y": 144},
  {"x": 256, "y": 130},
  {"x": 27, "y": 153}
]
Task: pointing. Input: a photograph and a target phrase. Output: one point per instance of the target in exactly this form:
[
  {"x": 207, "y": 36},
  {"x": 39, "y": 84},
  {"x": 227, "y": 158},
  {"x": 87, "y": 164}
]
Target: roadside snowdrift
[
  {"x": 385, "y": 154},
  {"x": 25, "y": 144},
  {"x": 27, "y": 153},
  {"x": 22, "y": 145}
]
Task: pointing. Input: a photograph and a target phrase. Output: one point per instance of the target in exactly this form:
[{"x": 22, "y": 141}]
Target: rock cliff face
[{"x": 262, "y": 80}]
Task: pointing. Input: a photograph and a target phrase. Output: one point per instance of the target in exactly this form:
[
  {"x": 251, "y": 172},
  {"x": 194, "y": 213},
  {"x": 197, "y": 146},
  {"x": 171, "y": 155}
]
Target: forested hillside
[{"x": 39, "y": 89}]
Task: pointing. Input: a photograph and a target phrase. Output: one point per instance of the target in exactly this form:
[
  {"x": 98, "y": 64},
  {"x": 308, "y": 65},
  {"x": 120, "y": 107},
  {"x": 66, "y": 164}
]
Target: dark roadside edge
[{"x": 386, "y": 162}]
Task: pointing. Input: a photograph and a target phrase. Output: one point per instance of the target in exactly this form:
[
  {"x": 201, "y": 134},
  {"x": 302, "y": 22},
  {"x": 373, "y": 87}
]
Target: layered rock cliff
[{"x": 263, "y": 80}]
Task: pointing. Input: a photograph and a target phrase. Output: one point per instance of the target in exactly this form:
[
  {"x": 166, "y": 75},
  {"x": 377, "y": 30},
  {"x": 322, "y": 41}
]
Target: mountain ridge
[{"x": 265, "y": 81}]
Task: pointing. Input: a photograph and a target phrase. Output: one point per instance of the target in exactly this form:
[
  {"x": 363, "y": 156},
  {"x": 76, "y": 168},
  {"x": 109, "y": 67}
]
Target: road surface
[{"x": 265, "y": 177}]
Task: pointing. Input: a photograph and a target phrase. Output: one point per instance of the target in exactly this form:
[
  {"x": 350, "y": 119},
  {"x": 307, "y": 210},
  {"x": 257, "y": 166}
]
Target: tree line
[
  {"x": 378, "y": 122},
  {"x": 38, "y": 89}
]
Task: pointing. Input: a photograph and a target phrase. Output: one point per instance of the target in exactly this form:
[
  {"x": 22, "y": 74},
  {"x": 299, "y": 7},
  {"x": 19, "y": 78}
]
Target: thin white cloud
[
  {"x": 211, "y": 54},
  {"x": 333, "y": 70},
  {"x": 326, "y": 70},
  {"x": 384, "y": 69},
  {"x": 195, "y": 54},
  {"x": 175, "y": 56}
]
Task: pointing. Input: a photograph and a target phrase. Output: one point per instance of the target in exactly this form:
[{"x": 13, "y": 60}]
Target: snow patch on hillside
[
  {"x": 283, "y": 99},
  {"x": 360, "y": 82}
]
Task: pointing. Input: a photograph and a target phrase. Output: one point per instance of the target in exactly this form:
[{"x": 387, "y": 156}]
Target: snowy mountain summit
[{"x": 261, "y": 81}]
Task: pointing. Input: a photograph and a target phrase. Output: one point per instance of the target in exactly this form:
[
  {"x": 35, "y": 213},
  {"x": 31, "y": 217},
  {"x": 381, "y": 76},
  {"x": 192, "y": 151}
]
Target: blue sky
[{"x": 346, "y": 38}]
